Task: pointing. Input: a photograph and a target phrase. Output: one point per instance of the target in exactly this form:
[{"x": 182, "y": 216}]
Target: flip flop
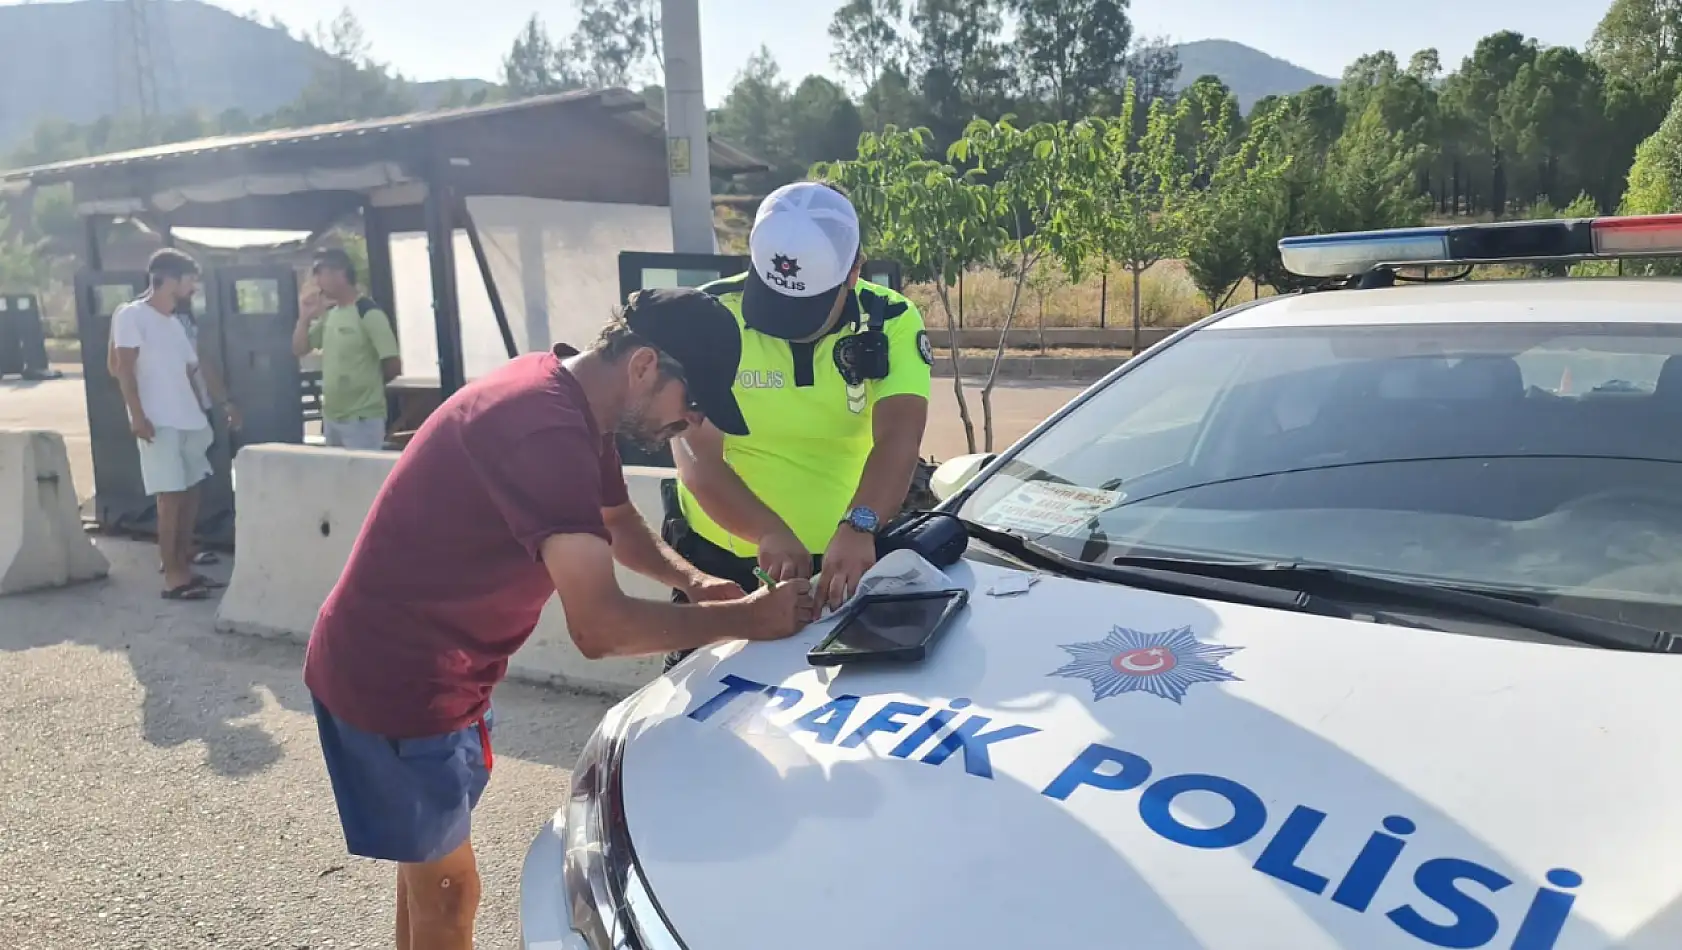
[
  {"x": 201, "y": 558},
  {"x": 188, "y": 591}
]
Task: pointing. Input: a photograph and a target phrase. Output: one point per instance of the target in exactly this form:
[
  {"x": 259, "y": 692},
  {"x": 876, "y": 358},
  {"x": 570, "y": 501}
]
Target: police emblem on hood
[{"x": 1165, "y": 664}]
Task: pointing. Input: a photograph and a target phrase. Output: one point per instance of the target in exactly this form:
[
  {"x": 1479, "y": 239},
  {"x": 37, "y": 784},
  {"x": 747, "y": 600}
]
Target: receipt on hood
[{"x": 900, "y": 572}]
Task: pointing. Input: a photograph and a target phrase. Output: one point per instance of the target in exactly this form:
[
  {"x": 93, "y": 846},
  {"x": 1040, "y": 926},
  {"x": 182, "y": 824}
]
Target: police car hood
[{"x": 1087, "y": 765}]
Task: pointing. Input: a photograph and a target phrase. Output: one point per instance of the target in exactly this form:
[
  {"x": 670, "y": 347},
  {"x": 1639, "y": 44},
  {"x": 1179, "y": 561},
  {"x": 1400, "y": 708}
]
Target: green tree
[
  {"x": 1140, "y": 191},
  {"x": 1554, "y": 113},
  {"x": 1370, "y": 178},
  {"x": 1655, "y": 180},
  {"x": 612, "y": 44},
  {"x": 959, "y": 62},
  {"x": 1473, "y": 95},
  {"x": 824, "y": 124},
  {"x": 347, "y": 82},
  {"x": 1032, "y": 174},
  {"x": 755, "y": 115},
  {"x": 936, "y": 221},
  {"x": 1639, "y": 39},
  {"x": 1426, "y": 66},
  {"x": 1153, "y": 67},
  {"x": 867, "y": 40},
  {"x": 1235, "y": 223},
  {"x": 532, "y": 67},
  {"x": 1072, "y": 50},
  {"x": 23, "y": 263}
]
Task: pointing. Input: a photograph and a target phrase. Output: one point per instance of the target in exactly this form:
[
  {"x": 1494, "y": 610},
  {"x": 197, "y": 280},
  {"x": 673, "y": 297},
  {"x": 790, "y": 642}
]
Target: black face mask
[{"x": 864, "y": 355}]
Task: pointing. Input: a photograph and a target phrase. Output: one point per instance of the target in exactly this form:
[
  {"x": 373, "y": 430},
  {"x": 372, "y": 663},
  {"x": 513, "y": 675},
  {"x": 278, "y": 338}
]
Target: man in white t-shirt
[{"x": 157, "y": 368}]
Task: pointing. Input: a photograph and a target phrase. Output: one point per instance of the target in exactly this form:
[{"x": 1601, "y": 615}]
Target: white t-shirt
[{"x": 163, "y": 370}]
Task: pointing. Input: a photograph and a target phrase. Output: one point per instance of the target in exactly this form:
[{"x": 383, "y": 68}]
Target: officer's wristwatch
[{"x": 863, "y": 520}]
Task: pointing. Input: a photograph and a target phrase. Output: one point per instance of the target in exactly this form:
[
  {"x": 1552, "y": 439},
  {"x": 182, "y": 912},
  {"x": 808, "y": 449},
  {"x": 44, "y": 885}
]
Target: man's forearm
[
  {"x": 887, "y": 477},
  {"x": 644, "y": 627},
  {"x": 130, "y": 390},
  {"x": 301, "y": 339},
  {"x": 638, "y": 548}
]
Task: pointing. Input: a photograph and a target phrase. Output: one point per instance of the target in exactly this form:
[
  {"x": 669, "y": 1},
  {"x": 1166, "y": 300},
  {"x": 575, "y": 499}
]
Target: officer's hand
[
  {"x": 850, "y": 554},
  {"x": 705, "y": 588},
  {"x": 235, "y": 420},
  {"x": 782, "y": 556},
  {"x": 781, "y": 611}
]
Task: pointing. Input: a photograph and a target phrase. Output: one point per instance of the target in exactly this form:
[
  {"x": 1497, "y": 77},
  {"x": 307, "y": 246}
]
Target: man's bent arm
[
  {"x": 727, "y": 499},
  {"x": 636, "y": 546},
  {"x": 604, "y": 621},
  {"x": 125, "y": 359},
  {"x": 898, "y": 430}
]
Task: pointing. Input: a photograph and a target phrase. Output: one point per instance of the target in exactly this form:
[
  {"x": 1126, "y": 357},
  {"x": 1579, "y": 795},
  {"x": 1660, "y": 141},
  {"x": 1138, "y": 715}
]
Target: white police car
[{"x": 1349, "y": 633}]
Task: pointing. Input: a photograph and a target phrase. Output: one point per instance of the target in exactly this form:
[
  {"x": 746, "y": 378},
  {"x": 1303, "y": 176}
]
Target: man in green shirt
[
  {"x": 834, "y": 384},
  {"x": 359, "y": 353}
]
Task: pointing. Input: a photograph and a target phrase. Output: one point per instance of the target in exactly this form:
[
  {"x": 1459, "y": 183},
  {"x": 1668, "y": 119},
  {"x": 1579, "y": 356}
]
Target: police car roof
[{"x": 1549, "y": 300}]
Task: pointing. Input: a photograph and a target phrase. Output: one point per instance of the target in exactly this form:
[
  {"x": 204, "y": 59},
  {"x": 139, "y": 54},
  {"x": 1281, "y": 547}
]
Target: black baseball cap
[{"x": 694, "y": 328}]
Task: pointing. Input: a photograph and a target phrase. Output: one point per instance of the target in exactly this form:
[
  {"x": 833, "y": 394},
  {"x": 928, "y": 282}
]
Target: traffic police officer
[{"x": 834, "y": 385}]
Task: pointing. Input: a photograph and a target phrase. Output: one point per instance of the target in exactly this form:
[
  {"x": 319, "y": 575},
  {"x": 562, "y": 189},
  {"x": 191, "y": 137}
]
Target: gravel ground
[{"x": 163, "y": 787}]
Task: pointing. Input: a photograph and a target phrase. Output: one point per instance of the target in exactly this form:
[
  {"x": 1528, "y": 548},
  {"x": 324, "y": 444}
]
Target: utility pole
[
  {"x": 134, "y": 39},
  {"x": 688, "y": 165}
]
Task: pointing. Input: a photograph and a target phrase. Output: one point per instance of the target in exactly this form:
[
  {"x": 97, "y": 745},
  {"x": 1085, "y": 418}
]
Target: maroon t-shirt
[{"x": 446, "y": 580}]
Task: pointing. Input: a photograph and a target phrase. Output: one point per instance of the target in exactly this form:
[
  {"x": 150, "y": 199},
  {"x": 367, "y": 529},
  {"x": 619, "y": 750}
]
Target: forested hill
[
  {"x": 73, "y": 62},
  {"x": 1250, "y": 73}
]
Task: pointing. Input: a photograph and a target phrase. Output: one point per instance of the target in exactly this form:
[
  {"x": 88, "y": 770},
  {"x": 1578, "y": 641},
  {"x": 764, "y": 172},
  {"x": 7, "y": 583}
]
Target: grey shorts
[
  {"x": 175, "y": 460},
  {"x": 365, "y": 434}
]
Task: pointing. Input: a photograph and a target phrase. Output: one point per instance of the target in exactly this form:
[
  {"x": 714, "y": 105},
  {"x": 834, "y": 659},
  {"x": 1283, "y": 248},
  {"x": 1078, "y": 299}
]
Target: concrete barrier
[
  {"x": 299, "y": 510},
  {"x": 42, "y": 543}
]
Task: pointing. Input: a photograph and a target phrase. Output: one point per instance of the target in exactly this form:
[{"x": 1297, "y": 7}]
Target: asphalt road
[{"x": 163, "y": 786}]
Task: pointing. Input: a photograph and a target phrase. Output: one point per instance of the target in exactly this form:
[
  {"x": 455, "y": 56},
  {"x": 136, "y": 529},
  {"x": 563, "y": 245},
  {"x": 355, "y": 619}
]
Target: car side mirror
[{"x": 954, "y": 474}]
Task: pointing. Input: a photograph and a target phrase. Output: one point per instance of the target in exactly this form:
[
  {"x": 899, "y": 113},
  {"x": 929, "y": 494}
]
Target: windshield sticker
[
  {"x": 1453, "y": 901},
  {"x": 1045, "y": 508},
  {"x": 1132, "y": 661}
]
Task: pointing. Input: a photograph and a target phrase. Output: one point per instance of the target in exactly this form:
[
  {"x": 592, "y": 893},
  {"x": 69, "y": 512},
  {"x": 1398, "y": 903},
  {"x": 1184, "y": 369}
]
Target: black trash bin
[{"x": 23, "y": 337}]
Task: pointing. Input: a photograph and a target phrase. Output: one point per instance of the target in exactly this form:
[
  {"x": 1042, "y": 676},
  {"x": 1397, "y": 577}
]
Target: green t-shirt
[
  {"x": 352, "y": 346},
  {"x": 809, "y": 437}
]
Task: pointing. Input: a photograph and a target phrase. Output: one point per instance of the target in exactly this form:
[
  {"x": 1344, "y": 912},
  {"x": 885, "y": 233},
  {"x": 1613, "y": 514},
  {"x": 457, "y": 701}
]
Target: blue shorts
[{"x": 406, "y": 800}]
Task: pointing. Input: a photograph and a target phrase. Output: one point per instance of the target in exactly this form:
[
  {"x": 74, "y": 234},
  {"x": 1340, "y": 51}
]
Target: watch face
[{"x": 863, "y": 518}]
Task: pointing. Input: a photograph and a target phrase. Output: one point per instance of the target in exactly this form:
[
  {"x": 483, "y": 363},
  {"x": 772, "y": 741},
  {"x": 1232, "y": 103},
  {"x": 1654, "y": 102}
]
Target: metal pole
[
  {"x": 688, "y": 165},
  {"x": 440, "y": 240}
]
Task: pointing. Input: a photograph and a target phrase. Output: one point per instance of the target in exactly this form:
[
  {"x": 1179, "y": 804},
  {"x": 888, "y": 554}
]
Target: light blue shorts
[
  {"x": 175, "y": 460},
  {"x": 365, "y": 434}
]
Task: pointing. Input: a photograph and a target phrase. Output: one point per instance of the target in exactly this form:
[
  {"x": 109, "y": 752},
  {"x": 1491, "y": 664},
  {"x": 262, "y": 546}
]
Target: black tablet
[{"x": 889, "y": 628}]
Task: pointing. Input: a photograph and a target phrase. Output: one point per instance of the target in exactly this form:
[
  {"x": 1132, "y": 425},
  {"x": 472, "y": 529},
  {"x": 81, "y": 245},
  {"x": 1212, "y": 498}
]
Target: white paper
[
  {"x": 1044, "y": 508},
  {"x": 900, "y": 572},
  {"x": 1012, "y": 584}
]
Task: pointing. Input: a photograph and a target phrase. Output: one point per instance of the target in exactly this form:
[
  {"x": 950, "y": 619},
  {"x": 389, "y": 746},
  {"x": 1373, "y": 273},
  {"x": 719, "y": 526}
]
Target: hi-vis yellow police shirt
[{"x": 809, "y": 436}]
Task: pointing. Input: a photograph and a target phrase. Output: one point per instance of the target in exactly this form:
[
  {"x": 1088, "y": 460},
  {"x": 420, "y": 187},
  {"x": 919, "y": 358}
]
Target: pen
[{"x": 764, "y": 578}]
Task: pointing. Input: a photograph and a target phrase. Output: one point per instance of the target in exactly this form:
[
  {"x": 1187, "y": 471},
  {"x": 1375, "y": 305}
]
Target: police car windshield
[{"x": 1544, "y": 458}]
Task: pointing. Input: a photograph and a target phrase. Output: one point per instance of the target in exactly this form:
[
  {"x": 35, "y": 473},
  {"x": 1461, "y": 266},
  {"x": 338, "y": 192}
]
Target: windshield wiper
[
  {"x": 1579, "y": 628},
  {"x": 1035, "y": 554}
]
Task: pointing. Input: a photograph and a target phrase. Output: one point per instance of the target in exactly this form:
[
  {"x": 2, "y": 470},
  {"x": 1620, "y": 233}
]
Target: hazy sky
[{"x": 435, "y": 39}]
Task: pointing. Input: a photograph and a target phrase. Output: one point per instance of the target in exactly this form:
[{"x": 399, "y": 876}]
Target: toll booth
[
  {"x": 488, "y": 229},
  {"x": 23, "y": 337},
  {"x": 640, "y": 270},
  {"x": 244, "y": 318}
]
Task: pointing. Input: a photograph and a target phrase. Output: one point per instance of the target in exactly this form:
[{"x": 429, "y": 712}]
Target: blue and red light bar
[{"x": 1357, "y": 252}]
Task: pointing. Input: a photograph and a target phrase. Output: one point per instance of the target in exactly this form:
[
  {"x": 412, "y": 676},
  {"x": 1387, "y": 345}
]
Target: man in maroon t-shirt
[{"x": 510, "y": 493}]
